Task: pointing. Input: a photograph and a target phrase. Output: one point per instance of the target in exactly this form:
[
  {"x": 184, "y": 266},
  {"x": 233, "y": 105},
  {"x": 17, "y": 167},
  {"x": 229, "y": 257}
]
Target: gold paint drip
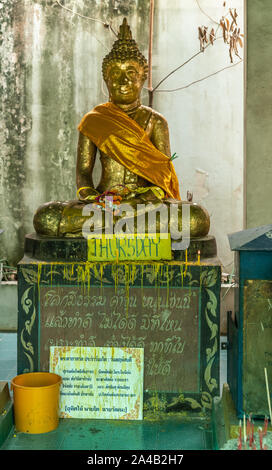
[
  {"x": 39, "y": 273},
  {"x": 186, "y": 263},
  {"x": 83, "y": 273},
  {"x": 142, "y": 281},
  {"x": 181, "y": 274},
  {"x": 114, "y": 273},
  {"x": 167, "y": 284},
  {"x": 101, "y": 276},
  {"x": 51, "y": 274},
  {"x": 127, "y": 285},
  {"x": 133, "y": 273}
]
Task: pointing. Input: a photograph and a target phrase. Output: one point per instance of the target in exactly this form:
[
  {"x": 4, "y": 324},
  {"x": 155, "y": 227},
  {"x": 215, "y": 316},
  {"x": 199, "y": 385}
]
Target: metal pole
[{"x": 149, "y": 78}]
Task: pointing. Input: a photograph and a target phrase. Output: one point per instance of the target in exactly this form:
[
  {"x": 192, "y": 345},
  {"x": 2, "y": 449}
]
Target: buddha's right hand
[{"x": 86, "y": 193}]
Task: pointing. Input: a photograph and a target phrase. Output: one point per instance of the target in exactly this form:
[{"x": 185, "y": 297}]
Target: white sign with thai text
[{"x": 99, "y": 382}]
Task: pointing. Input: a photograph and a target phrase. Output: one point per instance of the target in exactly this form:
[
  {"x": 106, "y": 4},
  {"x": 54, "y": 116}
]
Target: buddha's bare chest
[{"x": 113, "y": 173}]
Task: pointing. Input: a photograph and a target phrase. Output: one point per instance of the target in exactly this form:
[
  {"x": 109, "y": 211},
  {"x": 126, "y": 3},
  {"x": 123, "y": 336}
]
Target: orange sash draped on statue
[{"x": 121, "y": 138}]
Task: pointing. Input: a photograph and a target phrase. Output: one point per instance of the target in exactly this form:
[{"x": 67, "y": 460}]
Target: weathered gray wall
[
  {"x": 51, "y": 76},
  {"x": 259, "y": 114}
]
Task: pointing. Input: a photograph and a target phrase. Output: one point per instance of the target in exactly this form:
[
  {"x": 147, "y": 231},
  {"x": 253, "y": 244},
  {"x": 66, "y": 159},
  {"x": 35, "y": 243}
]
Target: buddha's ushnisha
[{"x": 125, "y": 48}]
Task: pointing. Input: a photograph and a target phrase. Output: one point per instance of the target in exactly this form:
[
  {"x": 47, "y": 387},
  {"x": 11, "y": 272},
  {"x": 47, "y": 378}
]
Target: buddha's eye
[
  {"x": 132, "y": 73},
  {"x": 115, "y": 73}
]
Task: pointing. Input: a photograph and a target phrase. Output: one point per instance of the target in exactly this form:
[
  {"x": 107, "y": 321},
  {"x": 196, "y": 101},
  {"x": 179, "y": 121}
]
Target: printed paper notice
[{"x": 99, "y": 383}]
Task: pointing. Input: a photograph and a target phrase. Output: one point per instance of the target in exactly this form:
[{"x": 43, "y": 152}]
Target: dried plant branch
[
  {"x": 186, "y": 62},
  {"x": 231, "y": 34},
  {"x": 202, "y": 36},
  {"x": 200, "y": 80},
  {"x": 204, "y": 13},
  {"x": 106, "y": 25},
  {"x": 179, "y": 67},
  {"x": 205, "y": 39},
  {"x": 212, "y": 36},
  {"x": 176, "y": 69}
]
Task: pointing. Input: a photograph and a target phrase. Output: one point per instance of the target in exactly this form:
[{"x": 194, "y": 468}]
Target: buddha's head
[{"x": 124, "y": 68}]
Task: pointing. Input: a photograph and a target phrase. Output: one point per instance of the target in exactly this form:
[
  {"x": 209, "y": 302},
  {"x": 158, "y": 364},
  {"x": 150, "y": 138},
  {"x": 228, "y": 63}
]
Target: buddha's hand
[
  {"x": 86, "y": 193},
  {"x": 151, "y": 193}
]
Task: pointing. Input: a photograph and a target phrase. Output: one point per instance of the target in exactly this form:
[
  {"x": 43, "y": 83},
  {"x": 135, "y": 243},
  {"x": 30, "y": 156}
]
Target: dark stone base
[
  {"x": 205, "y": 245},
  {"x": 76, "y": 249},
  {"x": 56, "y": 249}
]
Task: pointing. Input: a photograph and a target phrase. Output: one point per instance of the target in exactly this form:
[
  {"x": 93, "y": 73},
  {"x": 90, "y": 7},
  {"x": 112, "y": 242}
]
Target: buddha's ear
[
  {"x": 145, "y": 75},
  {"x": 146, "y": 70}
]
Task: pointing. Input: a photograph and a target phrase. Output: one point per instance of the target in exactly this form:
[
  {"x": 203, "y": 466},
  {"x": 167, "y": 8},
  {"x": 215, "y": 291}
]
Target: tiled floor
[{"x": 75, "y": 434}]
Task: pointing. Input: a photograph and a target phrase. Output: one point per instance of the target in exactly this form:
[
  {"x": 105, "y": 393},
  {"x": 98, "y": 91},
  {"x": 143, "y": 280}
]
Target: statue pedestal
[
  {"x": 171, "y": 309},
  {"x": 76, "y": 249}
]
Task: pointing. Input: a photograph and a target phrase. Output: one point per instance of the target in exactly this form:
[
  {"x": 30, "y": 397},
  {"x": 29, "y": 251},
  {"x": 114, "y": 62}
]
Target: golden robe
[{"x": 121, "y": 138}]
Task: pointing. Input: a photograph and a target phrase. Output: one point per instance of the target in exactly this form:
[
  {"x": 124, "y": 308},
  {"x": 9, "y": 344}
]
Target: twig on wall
[
  {"x": 231, "y": 36},
  {"x": 106, "y": 25},
  {"x": 180, "y": 66},
  {"x": 206, "y": 14},
  {"x": 200, "y": 80}
]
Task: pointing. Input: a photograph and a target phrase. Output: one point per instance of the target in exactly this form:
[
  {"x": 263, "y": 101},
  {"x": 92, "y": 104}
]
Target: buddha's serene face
[{"x": 125, "y": 81}]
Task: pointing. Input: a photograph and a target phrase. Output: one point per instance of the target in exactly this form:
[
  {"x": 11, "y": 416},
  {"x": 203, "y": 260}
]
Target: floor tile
[
  {"x": 116, "y": 435},
  {"x": 73, "y": 434},
  {"x": 24, "y": 441},
  {"x": 8, "y": 356},
  {"x": 7, "y": 365}
]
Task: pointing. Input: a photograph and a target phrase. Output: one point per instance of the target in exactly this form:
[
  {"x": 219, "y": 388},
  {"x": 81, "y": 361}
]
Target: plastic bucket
[{"x": 36, "y": 402}]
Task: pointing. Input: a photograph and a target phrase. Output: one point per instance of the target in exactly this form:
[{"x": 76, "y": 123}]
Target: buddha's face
[{"x": 125, "y": 81}]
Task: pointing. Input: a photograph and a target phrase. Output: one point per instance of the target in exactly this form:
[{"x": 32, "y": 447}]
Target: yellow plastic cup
[{"x": 36, "y": 402}]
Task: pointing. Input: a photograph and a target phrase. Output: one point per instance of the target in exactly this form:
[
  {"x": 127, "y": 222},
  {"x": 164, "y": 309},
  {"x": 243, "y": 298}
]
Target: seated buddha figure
[{"x": 133, "y": 142}]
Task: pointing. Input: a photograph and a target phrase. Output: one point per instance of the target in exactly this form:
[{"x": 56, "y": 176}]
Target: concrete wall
[
  {"x": 206, "y": 120},
  {"x": 51, "y": 76},
  {"x": 259, "y": 114},
  {"x": 8, "y": 306}
]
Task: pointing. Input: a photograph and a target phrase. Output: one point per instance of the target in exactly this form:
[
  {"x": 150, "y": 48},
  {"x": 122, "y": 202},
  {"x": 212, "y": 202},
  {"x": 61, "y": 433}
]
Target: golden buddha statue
[{"x": 133, "y": 141}]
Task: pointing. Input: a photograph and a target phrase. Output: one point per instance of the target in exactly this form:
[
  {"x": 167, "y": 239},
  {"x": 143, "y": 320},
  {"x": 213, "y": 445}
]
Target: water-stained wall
[
  {"x": 51, "y": 76},
  {"x": 259, "y": 114}
]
